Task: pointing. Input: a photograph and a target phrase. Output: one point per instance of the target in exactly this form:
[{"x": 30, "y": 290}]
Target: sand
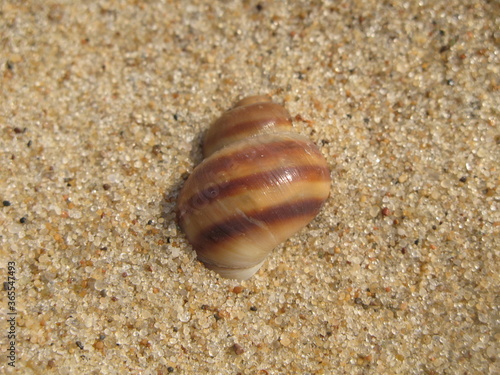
[{"x": 102, "y": 111}]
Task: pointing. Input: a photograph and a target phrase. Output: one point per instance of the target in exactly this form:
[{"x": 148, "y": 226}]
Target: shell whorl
[
  {"x": 249, "y": 117},
  {"x": 258, "y": 184}
]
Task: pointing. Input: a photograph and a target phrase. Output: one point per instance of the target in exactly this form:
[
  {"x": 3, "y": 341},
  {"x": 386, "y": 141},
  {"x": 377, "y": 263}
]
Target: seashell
[{"x": 258, "y": 185}]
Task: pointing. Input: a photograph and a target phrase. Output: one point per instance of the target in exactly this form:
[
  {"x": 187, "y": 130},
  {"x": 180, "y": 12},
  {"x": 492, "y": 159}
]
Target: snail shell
[{"x": 258, "y": 185}]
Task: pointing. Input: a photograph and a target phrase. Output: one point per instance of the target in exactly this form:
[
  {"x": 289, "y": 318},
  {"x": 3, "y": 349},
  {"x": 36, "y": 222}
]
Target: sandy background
[{"x": 102, "y": 108}]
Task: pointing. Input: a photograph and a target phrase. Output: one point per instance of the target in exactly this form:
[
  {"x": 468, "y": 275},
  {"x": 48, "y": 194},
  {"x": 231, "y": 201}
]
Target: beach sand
[{"x": 102, "y": 112}]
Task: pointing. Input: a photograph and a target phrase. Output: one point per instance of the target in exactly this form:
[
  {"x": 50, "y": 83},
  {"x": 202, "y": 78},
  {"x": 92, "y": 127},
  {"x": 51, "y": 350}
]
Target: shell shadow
[{"x": 168, "y": 204}]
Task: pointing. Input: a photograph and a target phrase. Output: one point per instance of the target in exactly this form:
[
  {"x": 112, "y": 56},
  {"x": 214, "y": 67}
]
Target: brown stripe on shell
[
  {"x": 257, "y": 126},
  {"x": 256, "y": 181},
  {"x": 236, "y": 162},
  {"x": 198, "y": 219},
  {"x": 260, "y": 147},
  {"x": 243, "y": 224},
  {"x": 244, "y": 122}
]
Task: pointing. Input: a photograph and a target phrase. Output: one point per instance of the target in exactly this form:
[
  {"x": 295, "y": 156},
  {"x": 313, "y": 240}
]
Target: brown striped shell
[{"x": 258, "y": 185}]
